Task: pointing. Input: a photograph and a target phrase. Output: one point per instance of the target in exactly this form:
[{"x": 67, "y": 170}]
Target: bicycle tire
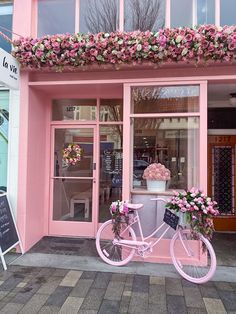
[
  {"x": 193, "y": 268},
  {"x": 114, "y": 254}
]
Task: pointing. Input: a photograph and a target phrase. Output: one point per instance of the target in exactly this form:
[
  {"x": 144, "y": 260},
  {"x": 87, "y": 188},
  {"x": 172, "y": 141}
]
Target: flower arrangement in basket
[
  {"x": 198, "y": 211},
  {"x": 72, "y": 154},
  {"x": 156, "y": 171},
  {"x": 119, "y": 211}
]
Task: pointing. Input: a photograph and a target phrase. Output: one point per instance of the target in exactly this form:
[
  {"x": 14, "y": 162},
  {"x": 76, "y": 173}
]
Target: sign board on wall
[
  {"x": 9, "y": 236},
  {"x": 9, "y": 70}
]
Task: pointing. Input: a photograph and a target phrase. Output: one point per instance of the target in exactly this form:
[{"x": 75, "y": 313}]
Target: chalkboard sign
[
  {"x": 8, "y": 233},
  {"x": 171, "y": 219}
]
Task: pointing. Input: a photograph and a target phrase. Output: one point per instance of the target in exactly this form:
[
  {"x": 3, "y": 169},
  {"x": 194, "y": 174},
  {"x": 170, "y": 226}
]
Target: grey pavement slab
[{"x": 89, "y": 263}]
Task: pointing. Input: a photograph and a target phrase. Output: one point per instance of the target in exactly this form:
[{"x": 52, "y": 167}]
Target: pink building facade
[{"x": 122, "y": 117}]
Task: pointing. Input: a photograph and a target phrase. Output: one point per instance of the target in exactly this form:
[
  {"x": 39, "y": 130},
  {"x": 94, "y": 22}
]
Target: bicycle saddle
[{"x": 135, "y": 206}]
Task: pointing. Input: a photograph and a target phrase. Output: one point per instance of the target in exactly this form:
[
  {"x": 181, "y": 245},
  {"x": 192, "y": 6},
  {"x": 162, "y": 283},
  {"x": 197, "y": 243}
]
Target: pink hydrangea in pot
[{"x": 156, "y": 175}]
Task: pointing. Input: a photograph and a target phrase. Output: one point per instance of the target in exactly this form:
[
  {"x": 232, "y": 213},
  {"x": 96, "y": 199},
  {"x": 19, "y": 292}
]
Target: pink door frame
[{"x": 74, "y": 228}]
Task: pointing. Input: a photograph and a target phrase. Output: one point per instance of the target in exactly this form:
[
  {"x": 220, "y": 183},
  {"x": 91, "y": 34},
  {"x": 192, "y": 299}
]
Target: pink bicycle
[{"x": 194, "y": 260}]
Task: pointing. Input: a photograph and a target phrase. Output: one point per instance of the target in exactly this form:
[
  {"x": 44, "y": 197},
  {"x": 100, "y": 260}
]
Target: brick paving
[{"x": 29, "y": 290}]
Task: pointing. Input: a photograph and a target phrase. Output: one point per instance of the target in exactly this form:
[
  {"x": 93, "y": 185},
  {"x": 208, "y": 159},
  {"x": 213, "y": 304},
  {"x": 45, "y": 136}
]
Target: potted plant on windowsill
[{"x": 156, "y": 176}]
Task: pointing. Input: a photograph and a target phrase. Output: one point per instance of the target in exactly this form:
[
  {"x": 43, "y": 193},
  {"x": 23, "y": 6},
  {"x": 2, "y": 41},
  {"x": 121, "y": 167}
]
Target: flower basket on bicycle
[{"x": 195, "y": 210}]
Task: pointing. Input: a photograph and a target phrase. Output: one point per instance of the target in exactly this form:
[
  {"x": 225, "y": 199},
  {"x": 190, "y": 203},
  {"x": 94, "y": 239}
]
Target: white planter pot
[{"x": 156, "y": 186}]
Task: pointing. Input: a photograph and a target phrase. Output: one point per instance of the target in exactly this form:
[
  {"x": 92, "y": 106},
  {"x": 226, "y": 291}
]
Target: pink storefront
[{"x": 123, "y": 118}]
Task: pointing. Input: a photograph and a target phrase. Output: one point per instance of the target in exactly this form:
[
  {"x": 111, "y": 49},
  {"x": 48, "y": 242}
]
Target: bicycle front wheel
[
  {"x": 194, "y": 260},
  {"x": 111, "y": 251}
]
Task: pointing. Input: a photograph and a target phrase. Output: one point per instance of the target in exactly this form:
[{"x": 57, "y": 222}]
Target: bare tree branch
[{"x": 103, "y": 15}]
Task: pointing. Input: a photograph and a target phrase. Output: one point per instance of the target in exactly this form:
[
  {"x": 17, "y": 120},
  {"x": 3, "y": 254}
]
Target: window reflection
[
  {"x": 56, "y": 17},
  {"x": 171, "y": 141},
  {"x": 177, "y": 17},
  {"x": 205, "y": 12},
  {"x": 165, "y": 99},
  {"x": 227, "y": 12},
  {"x": 111, "y": 161},
  {"x": 6, "y": 22},
  {"x": 74, "y": 109},
  {"x": 99, "y": 16},
  {"x": 111, "y": 110},
  {"x": 144, "y": 15}
]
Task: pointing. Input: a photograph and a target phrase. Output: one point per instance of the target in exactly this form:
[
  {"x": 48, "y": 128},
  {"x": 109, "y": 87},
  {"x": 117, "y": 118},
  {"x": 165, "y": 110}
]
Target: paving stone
[
  {"x": 157, "y": 296},
  {"x": 193, "y": 297},
  {"x": 140, "y": 284},
  {"x": 222, "y": 285},
  {"x": 208, "y": 292},
  {"x": 157, "y": 280},
  {"x": 194, "y": 310},
  {"x": 174, "y": 286},
  {"x": 3, "y": 294},
  {"x": 50, "y": 286},
  {"x": 22, "y": 297},
  {"x": 93, "y": 299},
  {"x": 60, "y": 272},
  {"x": 176, "y": 304},
  {"x": 71, "y": 278},
  {"x": 87, "y": 312},
  {"x": 124, "y": 304},
  {"x": 1, "y": 282},
  {"x": 10, "y": 283},
  {"x": 127, "y": 293},
  {"x": 214, "y": 306},
  {"x": 82, "y": 287},
  {"x": 71, "y": 305},
  {"x": 109, "y": 306},
  {"x": 88, "y": 275},
  {"x": 35, "y": 304},
  {"x": 58, "y": 297},
  {"x": 138, "y": 303},
  {"x": 119, "y": 277},
  {"x": 229, "y": 299},
  {"x": 102, "y": 280},
  {"x": 186, "y": 283},
  {"x": 233, "y": 285},
  {"x": 11, "y": 308},
  {"x": 129, "y": 281},
  {"x": 114, "y": 290},
  {"x": 49, "y": 310},
  {"x": 154, "y": 309},
  {"x": 21, "y": 284}
]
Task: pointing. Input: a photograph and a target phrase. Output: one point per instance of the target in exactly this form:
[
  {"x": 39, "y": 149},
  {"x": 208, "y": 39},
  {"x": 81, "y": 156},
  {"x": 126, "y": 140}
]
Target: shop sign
[{"x": 9, "y": 70}]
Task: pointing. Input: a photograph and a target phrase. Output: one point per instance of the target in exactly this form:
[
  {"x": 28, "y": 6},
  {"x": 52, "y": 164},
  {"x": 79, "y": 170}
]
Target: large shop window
[
  {"x": 56, "y": 17},
  {"x": 6, "y": 23},
  {"x": 172, "y": 140},
  {"x": 4, "y": 121},
  {"x": 144, "y": 15}
]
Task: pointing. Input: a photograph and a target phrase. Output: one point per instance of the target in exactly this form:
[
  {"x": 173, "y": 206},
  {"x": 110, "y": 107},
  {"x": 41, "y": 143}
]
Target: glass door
[{"x": 73, "y": 177}]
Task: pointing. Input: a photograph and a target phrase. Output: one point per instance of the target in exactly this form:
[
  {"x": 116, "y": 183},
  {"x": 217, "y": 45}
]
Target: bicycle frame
[{"x": 143, "y": 241}]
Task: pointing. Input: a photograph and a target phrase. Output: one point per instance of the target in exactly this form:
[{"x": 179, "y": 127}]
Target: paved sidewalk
[{"x": 51, "y": 290}]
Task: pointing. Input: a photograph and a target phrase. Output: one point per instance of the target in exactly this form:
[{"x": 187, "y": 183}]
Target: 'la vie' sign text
[
  {"x": 9, "y": 70},
  {"x": 12, "y": 67}
]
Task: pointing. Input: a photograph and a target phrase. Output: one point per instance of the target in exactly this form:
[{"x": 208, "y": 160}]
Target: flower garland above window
[
  {"x": 72, "y": 154},
  {"x": 197, "y": 45}
]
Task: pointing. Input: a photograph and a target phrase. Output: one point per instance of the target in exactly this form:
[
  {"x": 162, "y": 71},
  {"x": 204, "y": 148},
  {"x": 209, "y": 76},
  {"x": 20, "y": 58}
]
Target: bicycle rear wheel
[
  {"x": 194, "y": 260},
  {"x": 110, "y": 251}
]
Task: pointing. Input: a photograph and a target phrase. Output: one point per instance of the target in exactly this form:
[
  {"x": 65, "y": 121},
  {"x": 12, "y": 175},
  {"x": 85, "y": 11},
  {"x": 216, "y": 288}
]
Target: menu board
[{"x": 8, "y": 232}]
